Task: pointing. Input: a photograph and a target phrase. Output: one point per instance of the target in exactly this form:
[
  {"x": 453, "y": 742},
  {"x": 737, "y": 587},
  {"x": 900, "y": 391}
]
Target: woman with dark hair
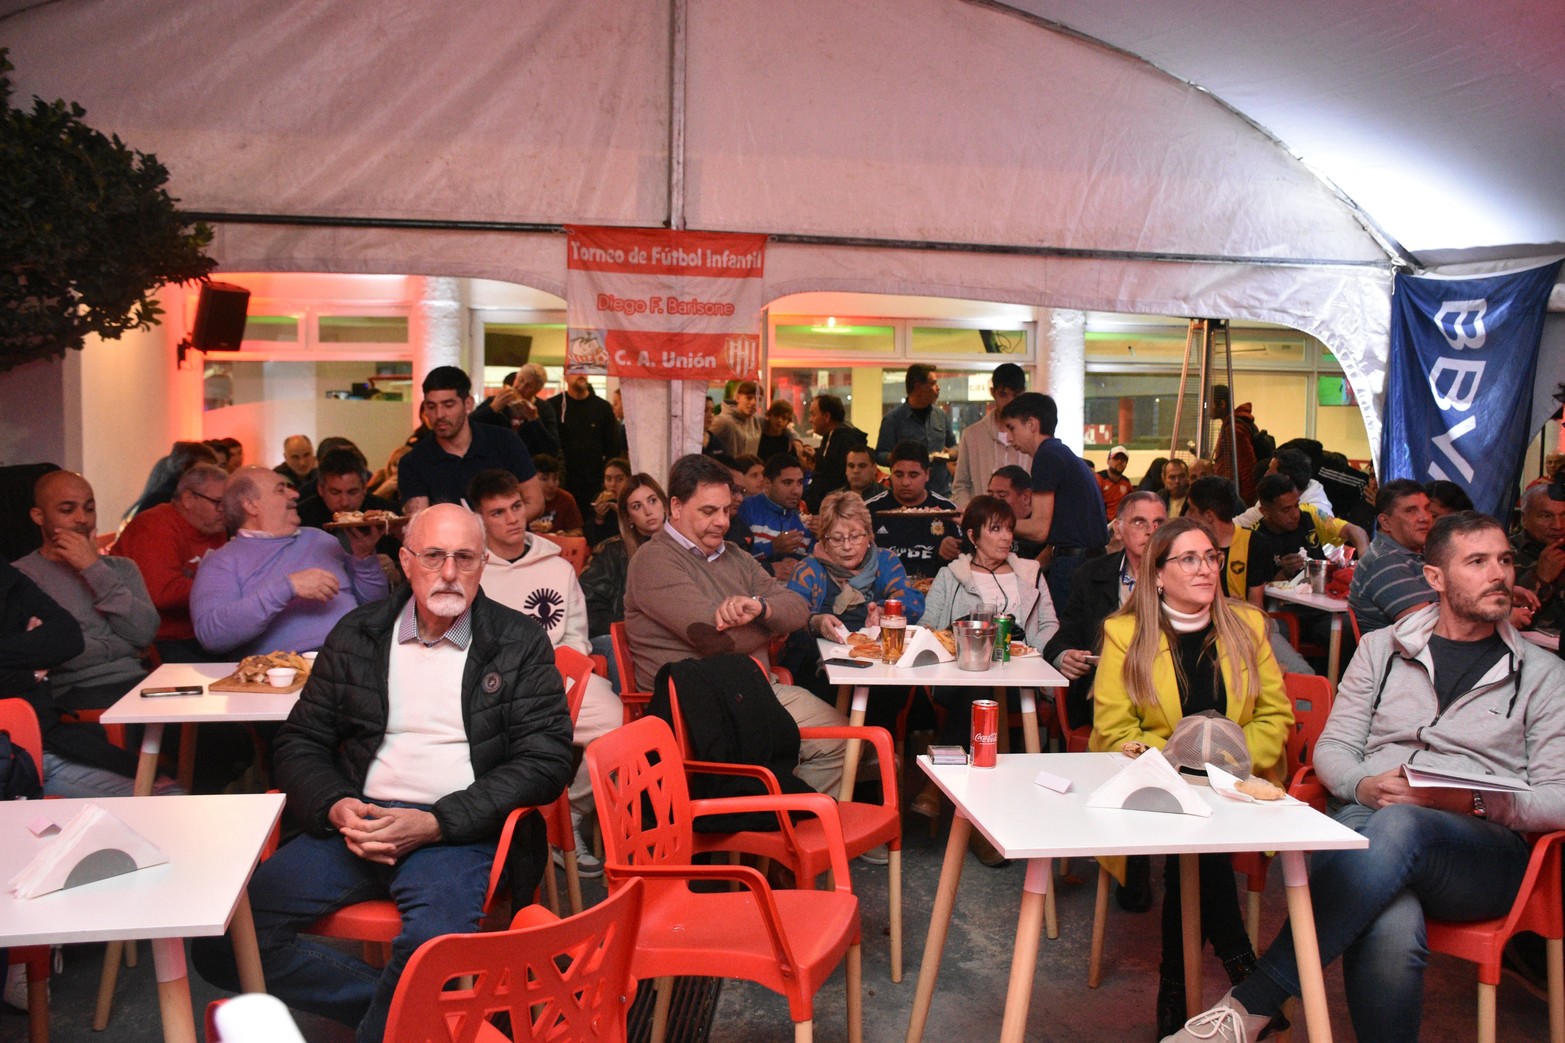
[
  {"x": 602, "y": 514},
  {"x": 1180, "y": 647},
  {"x": 1152, "y": 482},
  {"x": 991, "y": 579},
  {"x": 640, "y": 512},
  {"x": 1446, "y": 498}
]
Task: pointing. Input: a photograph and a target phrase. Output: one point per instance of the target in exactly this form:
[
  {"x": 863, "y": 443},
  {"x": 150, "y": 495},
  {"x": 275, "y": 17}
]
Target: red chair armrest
[
  {"x": 877, "y": 737},
  {"x": 817, "y": 804}
]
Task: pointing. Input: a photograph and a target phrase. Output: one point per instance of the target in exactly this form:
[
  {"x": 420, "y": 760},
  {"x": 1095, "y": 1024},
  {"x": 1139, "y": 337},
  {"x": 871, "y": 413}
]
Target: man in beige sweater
[{"x": 690, "y": 594}]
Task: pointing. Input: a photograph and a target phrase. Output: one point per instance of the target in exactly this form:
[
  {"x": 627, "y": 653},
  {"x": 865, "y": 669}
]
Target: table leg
[
  {"x": 939, "y": 924},
  {"x": 844, "y": 698},
  {"x": 187, "y": 757},
  {"x": 1334, "y": 649},
  {"x": 147, "y": 766},
  {"x": 850, "y": 763},
  {"x": 1029, "y": 700},
  {"x": 1024, "y": 960},
  {"x": 1190, "y": 914},
  {"x": 241, "y": 931},
  {"x": 1306, "y": 948},
  {"x": 179, "y": 1023}
]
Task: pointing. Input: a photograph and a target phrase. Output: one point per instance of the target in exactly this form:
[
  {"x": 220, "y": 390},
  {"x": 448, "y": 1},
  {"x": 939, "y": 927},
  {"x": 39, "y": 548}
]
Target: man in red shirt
[
  {"x": 1113, "y": 482},
  {"x": 167, "y": 543}
]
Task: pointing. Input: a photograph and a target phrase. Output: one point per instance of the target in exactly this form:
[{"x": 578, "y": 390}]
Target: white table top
[
  {"x": 1324, "y": 602},
  {"x": 1543, "y": 639},
  {"x": 213, "y": 844},
  {"x": 1024, "y": 672},
  {"x": 134, "y": 708},
  {"x": 1024, "y": 820}
]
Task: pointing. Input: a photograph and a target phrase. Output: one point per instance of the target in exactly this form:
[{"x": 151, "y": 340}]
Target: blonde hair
[
  {"x": 844, "y": 505},
  {"x": 1230, "y": 631}
]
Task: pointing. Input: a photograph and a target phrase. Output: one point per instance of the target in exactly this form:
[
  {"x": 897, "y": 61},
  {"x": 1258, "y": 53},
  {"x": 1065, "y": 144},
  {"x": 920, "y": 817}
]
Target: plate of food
[
  {"x": 361, "y": 519},
  {"x": 250, "y": 674}
]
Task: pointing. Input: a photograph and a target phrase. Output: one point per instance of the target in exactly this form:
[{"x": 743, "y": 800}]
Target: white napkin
[
  {"x": 1227, "y": 784},
  {"x": 92, "y": 846}
]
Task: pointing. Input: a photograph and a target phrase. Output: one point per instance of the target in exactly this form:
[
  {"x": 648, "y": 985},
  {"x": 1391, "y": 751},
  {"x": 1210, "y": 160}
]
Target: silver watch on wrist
[{"x": 1480, "y": 809}]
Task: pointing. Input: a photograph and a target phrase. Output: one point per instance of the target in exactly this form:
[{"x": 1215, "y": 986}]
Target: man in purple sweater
[{"x": 274, "y": 585}]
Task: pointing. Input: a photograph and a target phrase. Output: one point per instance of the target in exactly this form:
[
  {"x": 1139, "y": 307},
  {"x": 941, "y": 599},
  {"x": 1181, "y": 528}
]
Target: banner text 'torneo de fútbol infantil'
[{"x": 670, "y": 305}]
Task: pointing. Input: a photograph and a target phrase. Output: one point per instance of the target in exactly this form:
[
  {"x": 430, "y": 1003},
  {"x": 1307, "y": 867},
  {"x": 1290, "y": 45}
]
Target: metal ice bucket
[{"x": 974, "y": 643}]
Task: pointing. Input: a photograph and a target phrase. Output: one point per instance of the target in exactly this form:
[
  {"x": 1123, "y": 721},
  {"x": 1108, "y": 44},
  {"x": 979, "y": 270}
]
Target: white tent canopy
[{"x": 928, "y": 147}]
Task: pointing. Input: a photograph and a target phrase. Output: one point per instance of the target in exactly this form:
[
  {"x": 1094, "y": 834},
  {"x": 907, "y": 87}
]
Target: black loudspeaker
[{"x": 220, "y": 317}]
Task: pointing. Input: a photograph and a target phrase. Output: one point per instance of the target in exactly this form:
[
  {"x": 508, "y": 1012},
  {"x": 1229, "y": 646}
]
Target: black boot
[
  {"x": 1135, "y": 894},
  {"x": 1240, "y": 967},
  {"x": 1170, "y": 1006}
]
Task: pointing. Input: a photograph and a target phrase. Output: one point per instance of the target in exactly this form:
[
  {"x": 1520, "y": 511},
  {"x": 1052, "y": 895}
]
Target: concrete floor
[{"x": 971, "y": 993}]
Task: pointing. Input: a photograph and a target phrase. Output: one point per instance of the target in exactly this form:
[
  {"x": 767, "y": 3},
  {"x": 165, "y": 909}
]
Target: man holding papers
[{"x": 1453, "y": 689}]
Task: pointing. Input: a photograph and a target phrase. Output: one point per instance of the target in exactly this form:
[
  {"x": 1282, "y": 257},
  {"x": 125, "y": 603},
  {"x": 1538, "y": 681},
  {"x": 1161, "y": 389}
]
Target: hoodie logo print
[{"x": 546, "y": 606}]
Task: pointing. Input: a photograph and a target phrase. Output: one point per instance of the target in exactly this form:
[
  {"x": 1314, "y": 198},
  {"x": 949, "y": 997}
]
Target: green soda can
[{"x": 1004, "y": 623}]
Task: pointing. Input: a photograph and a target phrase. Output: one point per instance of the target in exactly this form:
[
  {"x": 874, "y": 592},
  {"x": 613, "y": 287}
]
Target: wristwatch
[{"x": 1480, "y": 809}]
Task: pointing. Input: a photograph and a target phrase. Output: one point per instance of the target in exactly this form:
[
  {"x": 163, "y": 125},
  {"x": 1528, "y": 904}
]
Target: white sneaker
[
  {"x": 1227, "y": 1022},
  {"x": 16, "y": 986}
]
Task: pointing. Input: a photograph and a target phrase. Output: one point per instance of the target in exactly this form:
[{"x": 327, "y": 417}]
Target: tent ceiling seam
[{"x": 1400, "y": 259}]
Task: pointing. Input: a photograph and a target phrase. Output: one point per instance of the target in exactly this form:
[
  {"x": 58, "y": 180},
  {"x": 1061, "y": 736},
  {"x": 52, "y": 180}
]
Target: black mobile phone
[
  {"x": 181, "y": 689},
  {"x": 857, "y": 664}
]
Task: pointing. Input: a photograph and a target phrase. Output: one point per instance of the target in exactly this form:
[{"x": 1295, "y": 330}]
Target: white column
[
  {"x": 663, "y": 421},
  {"x": 435, "y": 331},
  {"x": 1062, "y": 354}
]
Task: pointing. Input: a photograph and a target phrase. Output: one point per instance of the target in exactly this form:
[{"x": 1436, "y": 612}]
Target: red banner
[{"x": 671, "y": 305}]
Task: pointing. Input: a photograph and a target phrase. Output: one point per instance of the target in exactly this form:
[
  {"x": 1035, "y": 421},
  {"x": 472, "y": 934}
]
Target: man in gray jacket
[{"x": 1451, "y": 687}]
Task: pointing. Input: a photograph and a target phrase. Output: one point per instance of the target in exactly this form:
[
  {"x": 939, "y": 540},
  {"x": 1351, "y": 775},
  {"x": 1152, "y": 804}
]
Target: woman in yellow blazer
[{"x": 1180, "y": 646}]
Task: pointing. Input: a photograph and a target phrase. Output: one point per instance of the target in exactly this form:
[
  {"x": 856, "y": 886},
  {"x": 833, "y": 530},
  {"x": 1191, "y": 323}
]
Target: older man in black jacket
[{"x": 425, "y": 721}]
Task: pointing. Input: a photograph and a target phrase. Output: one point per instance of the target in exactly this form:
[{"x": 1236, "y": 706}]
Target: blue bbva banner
[{"x": 1464, "y": 355}]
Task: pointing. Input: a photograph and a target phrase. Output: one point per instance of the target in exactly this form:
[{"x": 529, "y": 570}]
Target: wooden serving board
[{"x": 232, "y": 683}]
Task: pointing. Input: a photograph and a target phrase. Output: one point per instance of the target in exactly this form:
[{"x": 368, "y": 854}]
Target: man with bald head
[
  {"x": 427, "y": 718},
  {"x": 298, "y": 464},
  {"x": 276, "y": 586},
  {"x": 106, "y": 596}
]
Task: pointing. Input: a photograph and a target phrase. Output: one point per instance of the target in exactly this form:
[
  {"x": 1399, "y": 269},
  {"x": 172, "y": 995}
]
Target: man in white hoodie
[{"x": 529, "y": 574}]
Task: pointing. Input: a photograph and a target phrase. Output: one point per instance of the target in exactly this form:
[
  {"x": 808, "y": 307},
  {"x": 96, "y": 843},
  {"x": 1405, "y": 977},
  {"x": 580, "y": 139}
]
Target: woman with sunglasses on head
[{"x": 1178, "y": 647}]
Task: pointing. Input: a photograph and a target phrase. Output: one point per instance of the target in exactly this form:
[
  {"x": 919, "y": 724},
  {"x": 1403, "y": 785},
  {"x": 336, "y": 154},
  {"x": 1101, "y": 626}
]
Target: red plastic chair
[
  {"x": 1311, "y": 697},
  {"x": 573, "y": 549},
  {"x": 802, "y": 846},
  {"x": 575, "y": 669},
  {"x": 18, "y": 720},
  {"x": 555, "y": 979},
  {"x": 1076, "y": 736},
  {"x": 788, "y": 941},
  {"x": 1353, "y": 621},
  {"x": 635, "y": 702},
  {"x": 1537, "y": 908}
]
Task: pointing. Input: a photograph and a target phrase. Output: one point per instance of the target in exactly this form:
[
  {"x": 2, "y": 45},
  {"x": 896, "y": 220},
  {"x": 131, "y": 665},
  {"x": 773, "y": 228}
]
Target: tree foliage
[{"x": 87, "y": 232}]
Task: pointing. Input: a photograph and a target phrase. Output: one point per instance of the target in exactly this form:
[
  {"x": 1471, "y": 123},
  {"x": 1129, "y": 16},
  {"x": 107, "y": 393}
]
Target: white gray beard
[{"x": 446, "y": 604}]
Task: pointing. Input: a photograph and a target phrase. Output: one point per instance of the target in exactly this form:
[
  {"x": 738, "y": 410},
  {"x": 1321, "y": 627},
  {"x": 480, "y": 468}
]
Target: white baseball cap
[{"x": 1118, "y": 450}]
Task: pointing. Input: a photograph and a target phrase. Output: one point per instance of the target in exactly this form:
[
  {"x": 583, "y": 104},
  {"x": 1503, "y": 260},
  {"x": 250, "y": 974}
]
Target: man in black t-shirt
[{"x": 440, "y": 467}]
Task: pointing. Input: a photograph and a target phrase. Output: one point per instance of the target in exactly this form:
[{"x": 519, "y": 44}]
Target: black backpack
[{"x": 18, "y": 774}]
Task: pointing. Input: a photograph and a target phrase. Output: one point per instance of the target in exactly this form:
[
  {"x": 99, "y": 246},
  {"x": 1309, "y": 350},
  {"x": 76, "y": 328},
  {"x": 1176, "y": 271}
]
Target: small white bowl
[
  {"x": 309, "y": 659},
  {"x": 281, "y": 676}
]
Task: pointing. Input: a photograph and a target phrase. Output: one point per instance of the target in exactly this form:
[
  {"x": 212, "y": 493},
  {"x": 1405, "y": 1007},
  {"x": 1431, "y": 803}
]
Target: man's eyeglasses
[
  {"x": 1191, "y": 563},
  {"x": 215, "y": 501},
  {"x": 1143, "y": 524},
  {"x": 846, "y": 539},
  {"x": 434, "y": 560}
]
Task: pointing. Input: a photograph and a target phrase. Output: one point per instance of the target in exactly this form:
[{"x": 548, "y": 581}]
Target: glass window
[
  {"x": 828, "y": 334},
  {"x": 955, "y": 340},
  {"x": 1166, "y": 344},
  {"x": 363, "y": 329},
  {"x": 274, "y": 329}
]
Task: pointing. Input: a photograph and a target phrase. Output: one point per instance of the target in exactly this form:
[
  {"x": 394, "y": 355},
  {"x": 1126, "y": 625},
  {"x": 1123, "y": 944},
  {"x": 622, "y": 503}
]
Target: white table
[
  {"x": 1338, "y": 607},
  {"x": 1028, "y": 673},
  {"x": 213, "y": 844},
  {"x": 1543, "y": 639},
  {"x": 208, "y": 708},
  {"x": 1024, "y": 820}
]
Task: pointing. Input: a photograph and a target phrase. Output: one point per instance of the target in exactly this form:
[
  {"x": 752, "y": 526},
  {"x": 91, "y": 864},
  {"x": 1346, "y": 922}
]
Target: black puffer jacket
[
  {"x": 513, "y": 704},
  {"x": 604, "y": 584}
]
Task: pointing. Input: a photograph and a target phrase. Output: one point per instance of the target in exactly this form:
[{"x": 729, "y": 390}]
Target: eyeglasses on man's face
[
  {"x": 1192, "y": 562},
  {"x": 1145, "y": 524},
  {"x": 434, "y": 560}
]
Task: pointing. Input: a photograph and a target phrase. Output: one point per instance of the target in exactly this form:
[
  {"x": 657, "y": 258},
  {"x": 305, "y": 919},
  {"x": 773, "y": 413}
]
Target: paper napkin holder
[
  {"x": 923, "y": 649},
  {"x": 94, "y": 846},
  {"x": 1150, "y": 783}
]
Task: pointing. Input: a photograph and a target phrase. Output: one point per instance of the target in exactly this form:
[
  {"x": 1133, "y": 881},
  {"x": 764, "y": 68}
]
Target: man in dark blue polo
[
  {"x": 1067, "y": 504},
  {"x": 440, "y": 468}
]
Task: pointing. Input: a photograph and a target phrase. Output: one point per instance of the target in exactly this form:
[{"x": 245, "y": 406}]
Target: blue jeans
[
  {"x": 1061, "y": 569},
  {"x": 439, "y": 890},
  {"x": 603, "y": 645},
  {"x": 1370, "y": 907}
]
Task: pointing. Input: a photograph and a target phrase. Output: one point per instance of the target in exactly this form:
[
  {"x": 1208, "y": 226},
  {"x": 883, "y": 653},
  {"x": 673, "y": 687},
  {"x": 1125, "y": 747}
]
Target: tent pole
[{"x": 678, "y": 39}]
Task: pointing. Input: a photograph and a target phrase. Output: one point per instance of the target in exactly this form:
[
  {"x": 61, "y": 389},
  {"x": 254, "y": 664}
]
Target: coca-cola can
[
  {"x": 891, "y": 607},
  {"x": 986, "y": 732}
]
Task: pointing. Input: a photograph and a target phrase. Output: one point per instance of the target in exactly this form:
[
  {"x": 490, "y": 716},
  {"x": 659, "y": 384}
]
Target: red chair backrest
[
  {"x": 18, "y": 720},
  {"x": 1311, "y": 698},
  {"x": 634, "y": 701},
  {"x": 573, "y": 549},
  {"x": 638, "y": 767},
  {"x": 574, "y": 669},
  {"x": 568, "y": 980}
]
